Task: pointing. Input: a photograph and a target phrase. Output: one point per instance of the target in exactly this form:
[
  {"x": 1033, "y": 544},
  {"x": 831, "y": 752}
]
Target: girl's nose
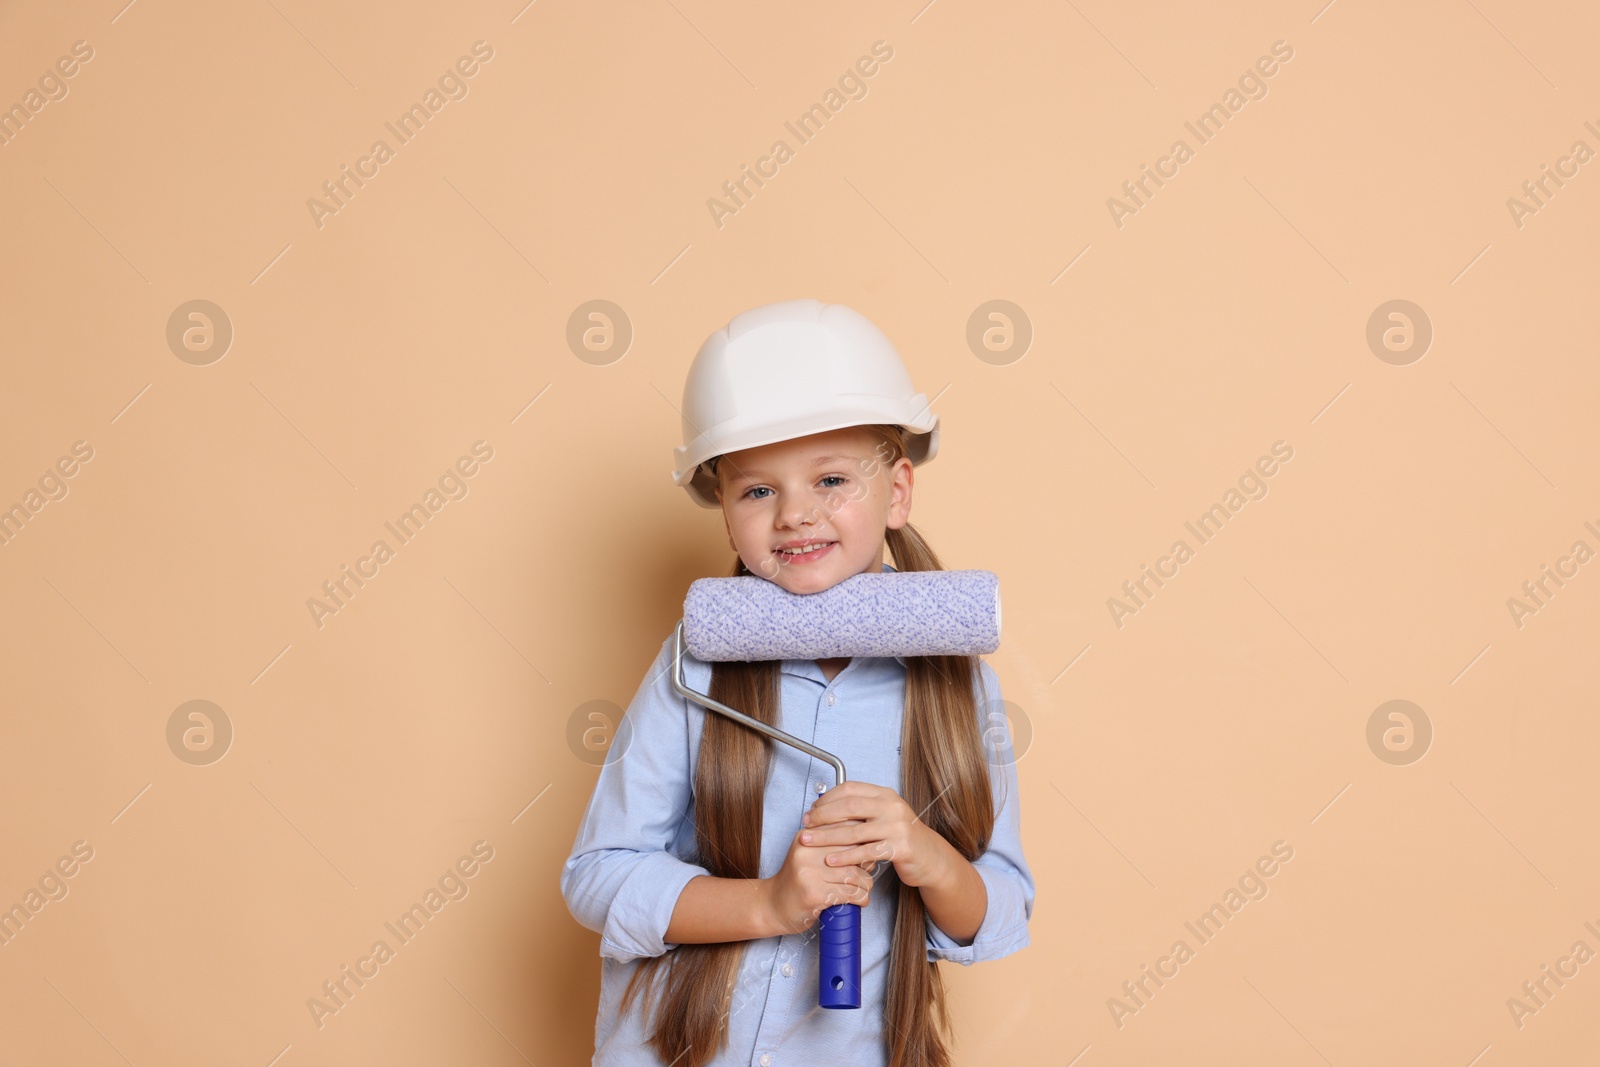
[{"x": 799, "y": 515}]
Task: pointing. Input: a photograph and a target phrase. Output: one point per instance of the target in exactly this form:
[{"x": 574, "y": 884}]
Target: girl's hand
[
  {"x": 805, "y": 885},
  {"x": 881, "y": 826}
]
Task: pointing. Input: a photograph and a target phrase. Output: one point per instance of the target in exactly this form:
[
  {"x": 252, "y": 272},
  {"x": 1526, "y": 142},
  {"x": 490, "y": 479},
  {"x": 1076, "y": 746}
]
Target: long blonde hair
[{"x": 943, "y": 776}]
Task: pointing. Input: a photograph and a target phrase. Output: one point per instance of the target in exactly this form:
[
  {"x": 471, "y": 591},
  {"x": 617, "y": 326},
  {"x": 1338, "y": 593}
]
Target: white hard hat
[{"x": 787, "y": 370}]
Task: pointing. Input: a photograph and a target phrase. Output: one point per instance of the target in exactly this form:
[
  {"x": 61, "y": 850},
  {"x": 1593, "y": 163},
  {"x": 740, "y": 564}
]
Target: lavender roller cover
[{"x": 890, "y": 613}]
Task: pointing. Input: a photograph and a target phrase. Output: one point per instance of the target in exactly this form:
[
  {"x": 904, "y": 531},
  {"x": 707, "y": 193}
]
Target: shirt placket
[{"x": 790, "y": 963}]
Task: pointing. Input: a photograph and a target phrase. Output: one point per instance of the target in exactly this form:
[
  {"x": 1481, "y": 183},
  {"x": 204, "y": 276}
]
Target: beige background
[{"x": 433, "y": 711}]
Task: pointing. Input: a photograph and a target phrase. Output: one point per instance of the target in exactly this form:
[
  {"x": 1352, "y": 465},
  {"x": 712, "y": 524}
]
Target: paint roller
[{"x": 889, "y": 613}]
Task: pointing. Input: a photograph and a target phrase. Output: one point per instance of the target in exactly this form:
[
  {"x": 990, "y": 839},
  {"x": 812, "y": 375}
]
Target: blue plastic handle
[{"x": 839, "y": 968}]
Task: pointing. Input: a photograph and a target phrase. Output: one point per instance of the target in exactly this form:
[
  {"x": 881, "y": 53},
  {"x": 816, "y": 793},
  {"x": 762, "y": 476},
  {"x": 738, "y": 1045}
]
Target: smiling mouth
[{"x": 808, "y": 550}]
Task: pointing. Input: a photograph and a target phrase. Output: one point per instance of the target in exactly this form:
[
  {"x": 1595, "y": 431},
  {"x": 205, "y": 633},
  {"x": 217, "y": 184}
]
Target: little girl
[{"x": 707, "y": 851}]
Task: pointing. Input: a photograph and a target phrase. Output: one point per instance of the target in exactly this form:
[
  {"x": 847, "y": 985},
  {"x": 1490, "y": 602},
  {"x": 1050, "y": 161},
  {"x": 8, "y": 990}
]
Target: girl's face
[{"x": 833, "y": 489}]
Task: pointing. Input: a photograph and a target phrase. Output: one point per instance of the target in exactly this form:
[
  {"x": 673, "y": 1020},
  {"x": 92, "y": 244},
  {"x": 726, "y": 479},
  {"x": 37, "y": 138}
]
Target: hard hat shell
[{"x": 787, "y": 370}]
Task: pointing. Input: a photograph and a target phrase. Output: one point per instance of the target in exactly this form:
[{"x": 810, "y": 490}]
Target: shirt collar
[{"x": 807, "y": 668}]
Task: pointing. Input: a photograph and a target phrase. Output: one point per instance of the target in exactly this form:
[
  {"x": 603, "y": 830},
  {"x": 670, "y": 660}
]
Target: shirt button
[
  {"x": 787, "y": 970},
  {"x": 822, "y": 787},
  {"x": 766, "y": 1060},
  {"x": 832, "y": 699}
]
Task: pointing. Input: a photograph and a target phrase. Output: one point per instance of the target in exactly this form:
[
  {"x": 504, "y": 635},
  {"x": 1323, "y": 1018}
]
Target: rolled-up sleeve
[
  {"x": 1004, "y": 870},
  {"x": 623, "y": 877}
]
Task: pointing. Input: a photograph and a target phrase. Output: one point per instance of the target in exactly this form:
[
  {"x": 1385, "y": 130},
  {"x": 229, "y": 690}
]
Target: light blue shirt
[{"x": 634, "y": 851}]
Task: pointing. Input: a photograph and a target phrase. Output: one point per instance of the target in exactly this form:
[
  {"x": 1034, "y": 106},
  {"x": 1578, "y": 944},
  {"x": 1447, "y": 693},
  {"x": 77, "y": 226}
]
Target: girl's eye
[{"x": 826, "y": 478}]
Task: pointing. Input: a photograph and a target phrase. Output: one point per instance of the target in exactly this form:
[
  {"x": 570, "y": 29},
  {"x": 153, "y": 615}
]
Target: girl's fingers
[
  {"x": 850, "y": 832},
  {"x": 849, "y": 789},
  {"x": 847, "y": 893},
  {"x": 837, "y": 809},
  {"x": 832, "y": 835},
  {"x": 853, "y": 894},
  {"x": 851, "y": 878},
  {"x": 860, "y": 857}
]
